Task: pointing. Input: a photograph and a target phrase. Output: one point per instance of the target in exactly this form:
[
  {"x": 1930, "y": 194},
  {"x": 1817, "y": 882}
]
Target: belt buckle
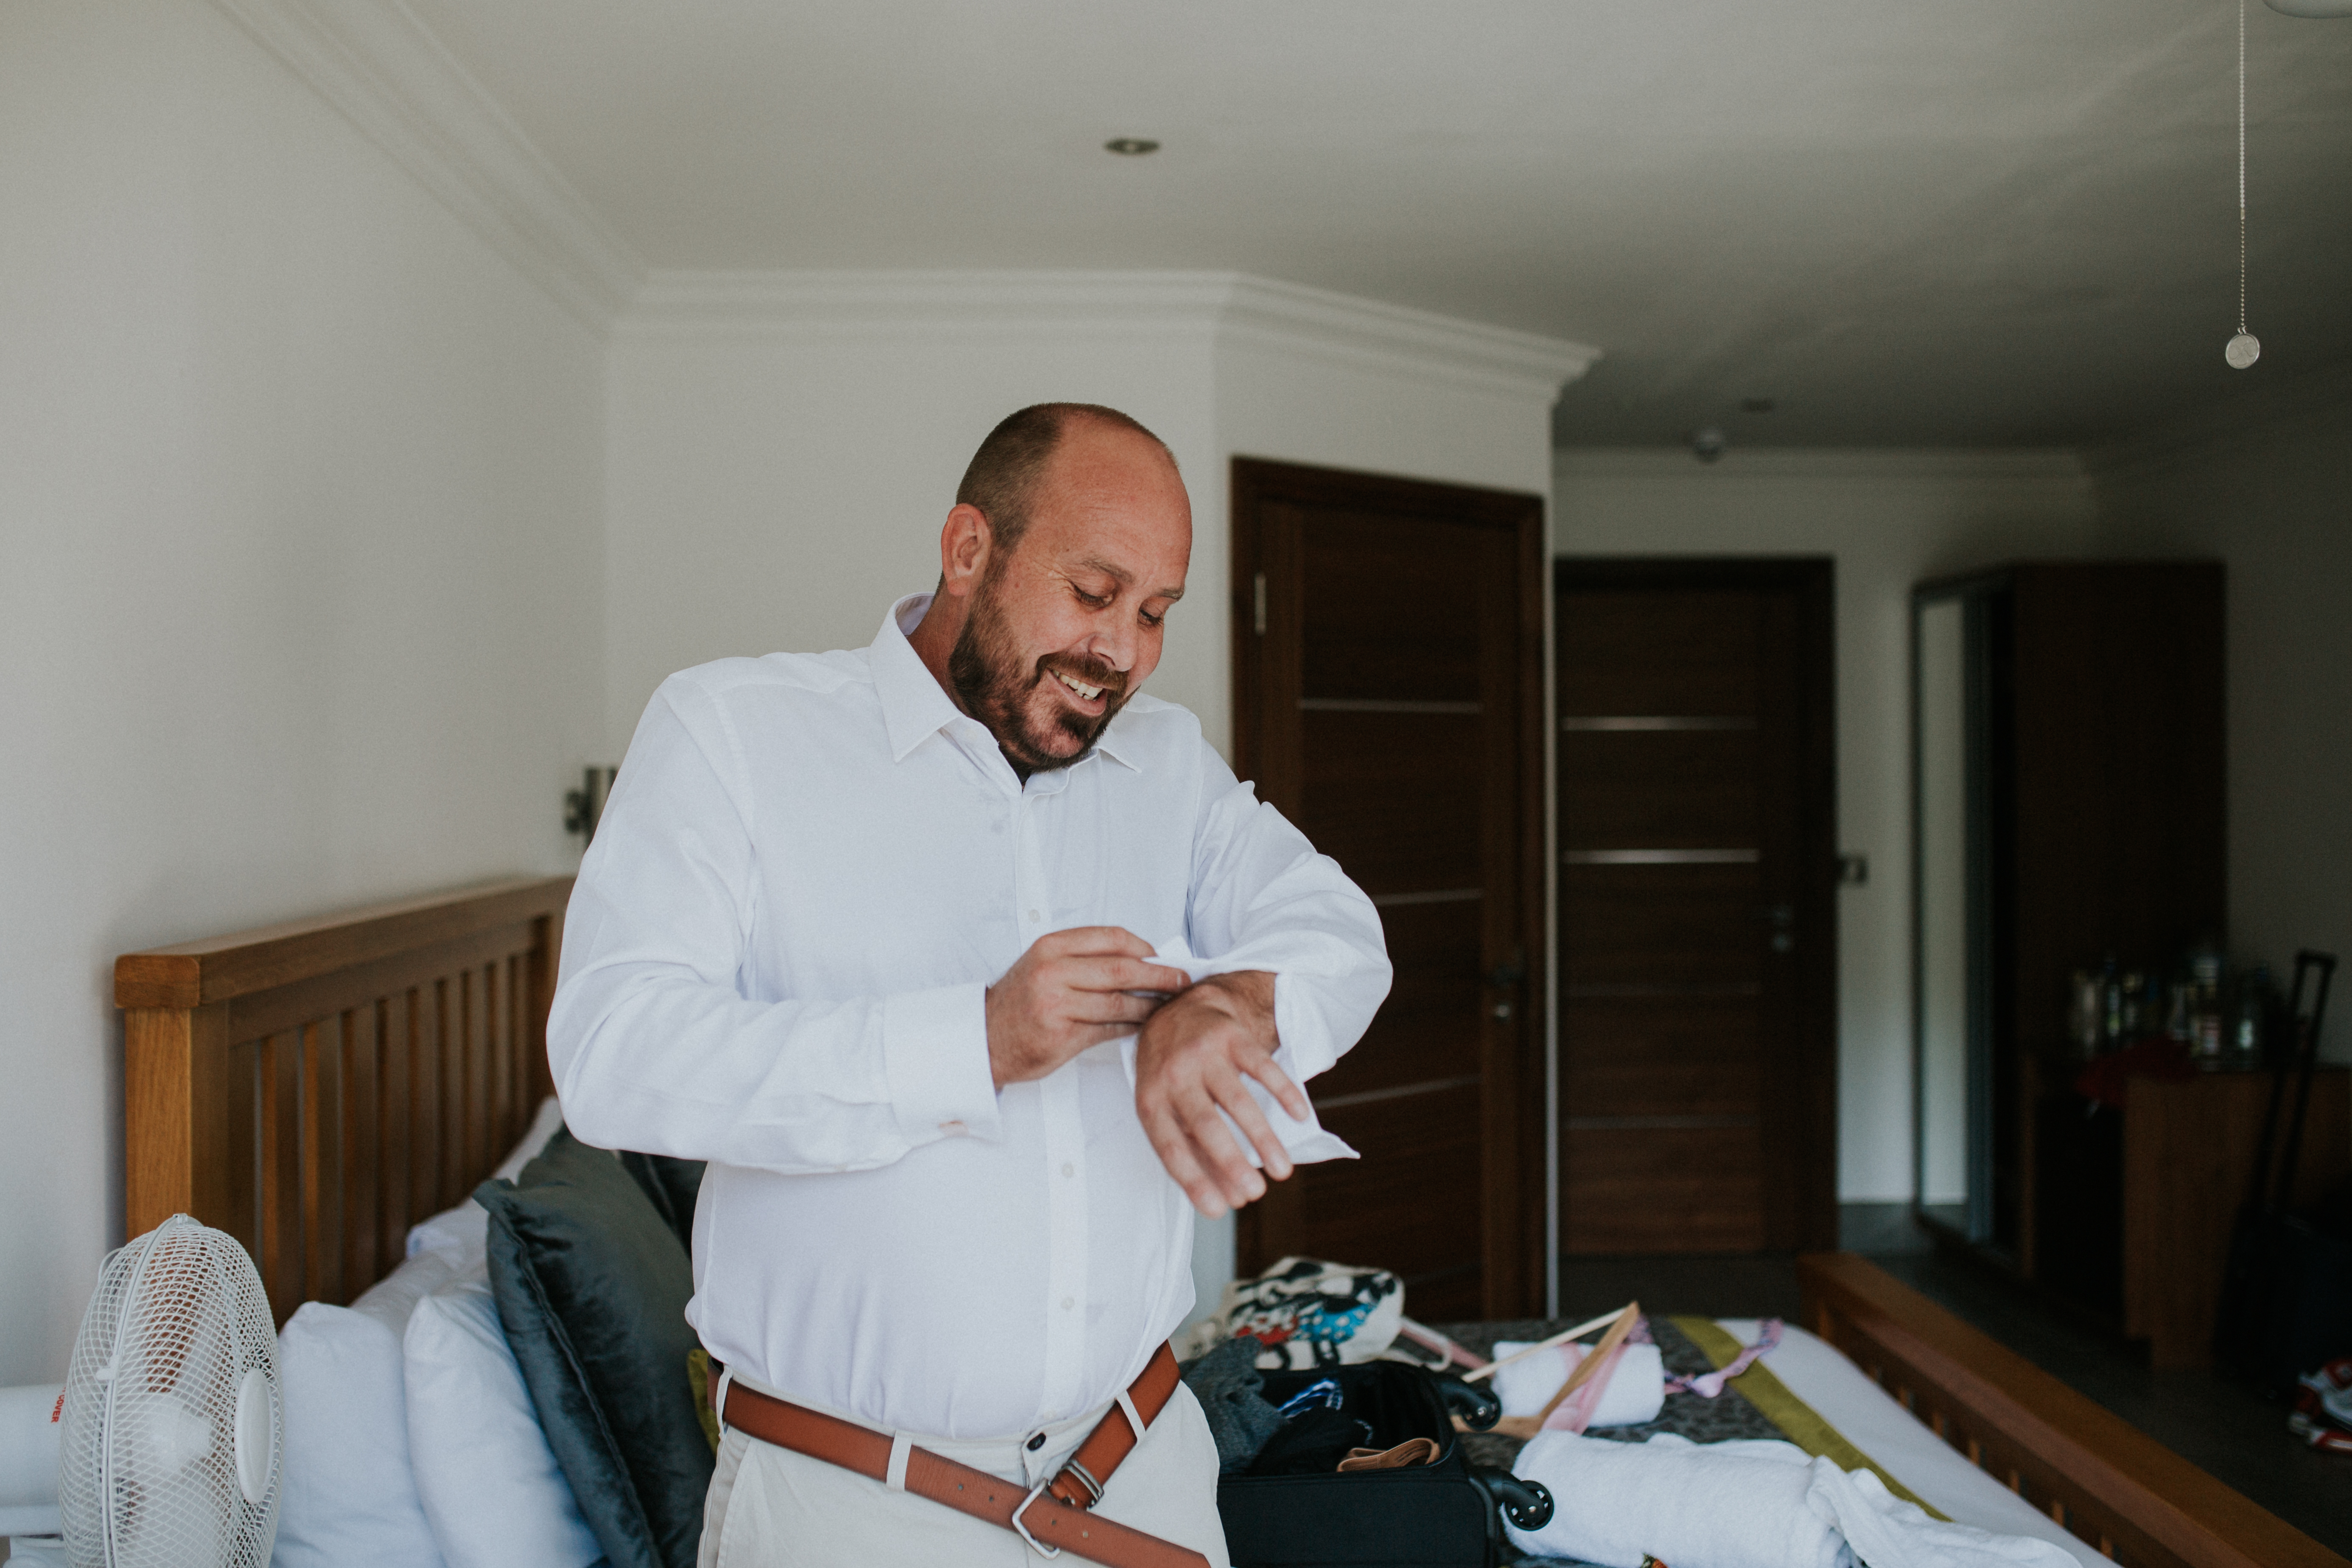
[{"x": 1021, "y": 1522}]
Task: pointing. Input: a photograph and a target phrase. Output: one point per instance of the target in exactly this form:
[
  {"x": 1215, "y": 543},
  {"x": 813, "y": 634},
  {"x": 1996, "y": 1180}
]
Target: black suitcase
[{"x": 1445, "y": 1514}]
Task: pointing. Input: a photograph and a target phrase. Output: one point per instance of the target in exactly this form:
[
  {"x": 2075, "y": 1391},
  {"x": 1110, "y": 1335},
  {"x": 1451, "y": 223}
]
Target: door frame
[
  {"x": 1811, "y": 1096},
  {"x": 1517, "y": 1223}
]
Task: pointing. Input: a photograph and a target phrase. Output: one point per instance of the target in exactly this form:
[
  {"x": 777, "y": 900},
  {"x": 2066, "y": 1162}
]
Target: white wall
[
  {"x": 299, "y": 560},
  {"x": 1890, "y": 518},
  {"x": 2274, "y": 499},
  {"x": 783, "y": 453},
  {"x": 772, "y": 489}
]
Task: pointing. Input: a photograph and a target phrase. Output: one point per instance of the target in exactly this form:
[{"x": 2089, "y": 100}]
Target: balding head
[{"x": 1000, "y": 483}]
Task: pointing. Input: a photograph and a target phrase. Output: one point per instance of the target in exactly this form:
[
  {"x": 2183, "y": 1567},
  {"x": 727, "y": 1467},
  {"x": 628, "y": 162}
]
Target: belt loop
[
  {"x": 1134, "y": 1417},
  {"x": 895, "y": 1477},
  {"x": 719, "y": 1397}
]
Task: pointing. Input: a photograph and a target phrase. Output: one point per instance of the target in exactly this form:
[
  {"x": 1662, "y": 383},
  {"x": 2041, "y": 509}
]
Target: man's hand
[
  {"x": 1192, "y": 1058},
  {"x": 1070, "y": 991}
]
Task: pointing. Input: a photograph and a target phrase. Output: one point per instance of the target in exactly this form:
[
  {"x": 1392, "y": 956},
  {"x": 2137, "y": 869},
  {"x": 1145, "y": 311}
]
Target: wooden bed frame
[
  {"x": 315, "y": 1089},
  {"x": 2097, "y": 1475}
]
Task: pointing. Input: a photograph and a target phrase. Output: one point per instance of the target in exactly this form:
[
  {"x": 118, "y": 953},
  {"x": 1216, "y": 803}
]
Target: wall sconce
[{"x": 584, "y": 808}]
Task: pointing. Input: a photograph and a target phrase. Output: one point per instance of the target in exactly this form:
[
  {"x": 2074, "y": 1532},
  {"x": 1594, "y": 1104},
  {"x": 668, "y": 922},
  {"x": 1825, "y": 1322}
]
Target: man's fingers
[
  {"x": 1113, "y": 1007},
  {"x": 1085, "y": 941},
  {"x": 1291, "y": 1098},
  {"x": 1175, "y": 1151},
  {"x": 1241, "y": 1106},
  {"x": 1214, "y": 1143},
  {"x": 1092, "y": 973}
]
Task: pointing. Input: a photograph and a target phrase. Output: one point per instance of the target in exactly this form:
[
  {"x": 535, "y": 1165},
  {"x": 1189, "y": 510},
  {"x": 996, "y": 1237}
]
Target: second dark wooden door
[
  {"x": 1388, "y": 688},
  {"x": 1697, "y": 924}
]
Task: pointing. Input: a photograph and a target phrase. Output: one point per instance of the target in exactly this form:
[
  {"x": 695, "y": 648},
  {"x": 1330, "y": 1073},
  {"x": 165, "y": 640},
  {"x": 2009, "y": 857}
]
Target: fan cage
[{"x": 147, "y": 1473}]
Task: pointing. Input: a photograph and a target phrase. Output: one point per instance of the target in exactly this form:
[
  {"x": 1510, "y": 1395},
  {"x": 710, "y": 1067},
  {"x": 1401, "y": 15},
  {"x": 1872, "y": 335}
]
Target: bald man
[{"x": 973, "y": 974}]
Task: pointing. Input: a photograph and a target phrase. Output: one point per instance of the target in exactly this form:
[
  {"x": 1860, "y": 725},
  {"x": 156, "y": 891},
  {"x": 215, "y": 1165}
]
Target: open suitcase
[{"x": 1444, "y": 1514}]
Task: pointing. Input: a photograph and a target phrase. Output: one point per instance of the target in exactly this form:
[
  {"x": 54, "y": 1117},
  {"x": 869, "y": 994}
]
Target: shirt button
[
  {"x": 1037, "y": 1442},
  {"x": 1068, "y": 1302},
  {"x": 1035, "y": 917},
  {"x": 1068, "y": 1169}
]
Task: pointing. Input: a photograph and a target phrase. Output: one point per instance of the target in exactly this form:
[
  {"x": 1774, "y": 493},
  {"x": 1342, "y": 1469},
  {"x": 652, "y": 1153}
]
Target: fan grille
[{"x": 147, "y": 1471}]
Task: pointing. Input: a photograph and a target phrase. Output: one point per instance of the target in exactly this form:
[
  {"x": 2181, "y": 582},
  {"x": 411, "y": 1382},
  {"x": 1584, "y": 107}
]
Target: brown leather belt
[{"x": 1052, "y": 1517}]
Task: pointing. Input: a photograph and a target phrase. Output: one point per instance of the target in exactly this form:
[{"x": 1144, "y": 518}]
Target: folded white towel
[
  {"x": 1304, "y": 1141},
  {"x": 1637, "y": 1391},
  {"x": 1741, "y": 1505}
]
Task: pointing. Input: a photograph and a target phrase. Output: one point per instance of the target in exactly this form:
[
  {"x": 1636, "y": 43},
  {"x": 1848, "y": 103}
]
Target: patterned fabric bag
[{"x": 1309, "y": 1313}]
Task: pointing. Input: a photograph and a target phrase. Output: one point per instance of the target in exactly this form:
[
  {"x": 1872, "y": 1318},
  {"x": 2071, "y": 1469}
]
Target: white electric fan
[{"x": 162, "y": 1449}]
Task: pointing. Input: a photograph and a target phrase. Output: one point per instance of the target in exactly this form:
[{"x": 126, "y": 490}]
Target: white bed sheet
[{"x": 1872, "y": 1421}]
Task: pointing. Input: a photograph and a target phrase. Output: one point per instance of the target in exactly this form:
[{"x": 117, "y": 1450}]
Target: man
[{"x": 850, "y": 928}]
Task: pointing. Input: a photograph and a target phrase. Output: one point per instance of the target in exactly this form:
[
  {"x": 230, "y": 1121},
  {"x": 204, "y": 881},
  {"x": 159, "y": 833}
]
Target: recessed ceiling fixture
[
  {"x": 2311, "y": 8},
  {"x": 2244, "y": 350},
  {"x": 1130, "y": 146}
]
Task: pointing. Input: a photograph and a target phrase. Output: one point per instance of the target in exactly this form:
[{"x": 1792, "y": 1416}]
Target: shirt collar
[{"x": 914, "y": 705}]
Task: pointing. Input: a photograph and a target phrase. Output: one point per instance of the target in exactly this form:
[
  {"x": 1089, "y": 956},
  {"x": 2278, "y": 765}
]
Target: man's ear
[{"x": 965, "y": 541}]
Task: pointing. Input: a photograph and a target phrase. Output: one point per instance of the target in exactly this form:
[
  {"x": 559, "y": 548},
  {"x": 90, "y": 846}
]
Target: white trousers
[{"x": 772, "y": 1508}]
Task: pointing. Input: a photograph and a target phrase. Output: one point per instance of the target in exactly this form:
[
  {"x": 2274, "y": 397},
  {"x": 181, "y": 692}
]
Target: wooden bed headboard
[
  {"x": 315, "y": 1089},
  {"x": 2095, "y": 1473}
]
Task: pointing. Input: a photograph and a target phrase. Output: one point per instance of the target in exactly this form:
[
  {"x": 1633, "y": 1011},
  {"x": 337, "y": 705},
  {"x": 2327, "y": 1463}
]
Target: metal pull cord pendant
[{"x": 2245, "y": 348}]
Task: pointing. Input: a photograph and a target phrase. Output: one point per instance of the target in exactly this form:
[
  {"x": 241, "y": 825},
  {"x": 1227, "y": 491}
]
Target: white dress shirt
[{"x": 809, "y": 868}]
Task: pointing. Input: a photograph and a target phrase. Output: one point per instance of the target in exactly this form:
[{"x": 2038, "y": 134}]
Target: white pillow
[
  {"x": 488, "y": 1481},
  {"x": 346, "y": 1493}
]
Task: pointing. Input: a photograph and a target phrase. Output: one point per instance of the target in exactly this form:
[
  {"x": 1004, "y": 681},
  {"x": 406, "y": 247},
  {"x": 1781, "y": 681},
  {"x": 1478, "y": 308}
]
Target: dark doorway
[
  {"x": 1697, "y": 922},
  {"x": 1388, "y": 698}
]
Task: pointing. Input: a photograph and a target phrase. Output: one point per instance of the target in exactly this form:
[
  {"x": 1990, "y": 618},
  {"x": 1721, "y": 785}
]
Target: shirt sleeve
[
  {"x": 653, "y": 1044},
  {"x": 1262, "y": 899}
]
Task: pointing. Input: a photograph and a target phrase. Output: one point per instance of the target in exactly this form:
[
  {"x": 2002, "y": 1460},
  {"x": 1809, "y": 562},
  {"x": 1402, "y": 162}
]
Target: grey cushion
[{"x": 592, "y": 1285}]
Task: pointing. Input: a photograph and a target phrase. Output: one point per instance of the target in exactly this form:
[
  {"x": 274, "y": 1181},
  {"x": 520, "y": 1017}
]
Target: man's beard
[{"x": 989, "y": 676}]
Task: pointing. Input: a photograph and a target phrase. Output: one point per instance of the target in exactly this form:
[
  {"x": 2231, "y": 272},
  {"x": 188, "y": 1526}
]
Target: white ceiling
[{"x": 1979, "y": 222}]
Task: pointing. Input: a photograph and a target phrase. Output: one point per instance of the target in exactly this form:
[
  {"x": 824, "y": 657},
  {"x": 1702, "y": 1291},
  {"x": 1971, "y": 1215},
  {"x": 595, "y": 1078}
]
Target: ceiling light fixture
[
  {"x": 2311, "y": 8},
  {"x": 2245, "y": 349},
  {"x": 1130, "y": 146}
]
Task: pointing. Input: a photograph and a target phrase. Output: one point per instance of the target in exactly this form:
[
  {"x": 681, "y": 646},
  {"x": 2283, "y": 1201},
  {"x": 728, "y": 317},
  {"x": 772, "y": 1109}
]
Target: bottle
[
  {"x": 2140, "y": 1006},
  {"x": 2205, "y": 970},
  {"x": 2178, "y": 1011},
  {"x": 2250, "y": 1018},
  {"x": 2086, "y": 1018},
  {"x": 2111, "y": 1005}
]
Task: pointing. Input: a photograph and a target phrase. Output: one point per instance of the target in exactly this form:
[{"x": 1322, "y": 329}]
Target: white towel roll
[
  {"x": 1741, "y": 1505},
  {"x": 1637, "y": 1391}
]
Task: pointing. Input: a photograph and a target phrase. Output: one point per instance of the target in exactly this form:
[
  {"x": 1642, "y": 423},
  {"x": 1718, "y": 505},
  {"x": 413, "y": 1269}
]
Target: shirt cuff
[{"x": 935, "y": 1052}]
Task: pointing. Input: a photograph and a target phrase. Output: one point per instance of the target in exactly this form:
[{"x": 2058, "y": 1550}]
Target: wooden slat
[
  {"x": 281, "y": 1172},
  {"x": 362, "y": 1135},
  {"x": 450, "y": 1068},
  {"x": 322, "y": 1161},
  {"x": 192, "y": 974},
  {"x": 241, "y": 1101},
  {"x": 396, "y": 1184},
  {"x": 424, "y": 1121},
  {"x": 2112, "y": 1485}
]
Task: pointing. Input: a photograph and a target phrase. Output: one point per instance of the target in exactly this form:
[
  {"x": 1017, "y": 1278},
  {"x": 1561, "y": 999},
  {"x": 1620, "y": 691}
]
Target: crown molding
[
  {"x": 374, "y": 62},
  {"x": 1207, "y": 307},
  {"x": 1749, "y": 464}
]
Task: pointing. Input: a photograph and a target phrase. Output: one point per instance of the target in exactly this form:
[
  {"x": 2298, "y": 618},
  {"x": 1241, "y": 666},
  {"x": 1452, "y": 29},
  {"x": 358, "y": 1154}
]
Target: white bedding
[{"x": 1870, "y": 1419}]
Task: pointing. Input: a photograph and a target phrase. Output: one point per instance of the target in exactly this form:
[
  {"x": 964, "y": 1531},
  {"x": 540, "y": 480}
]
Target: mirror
[{"x": 1951, "y": 1060}]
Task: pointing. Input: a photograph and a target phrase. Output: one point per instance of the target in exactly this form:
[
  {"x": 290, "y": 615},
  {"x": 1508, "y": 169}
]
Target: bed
[{"x": 316, "y": 1089}]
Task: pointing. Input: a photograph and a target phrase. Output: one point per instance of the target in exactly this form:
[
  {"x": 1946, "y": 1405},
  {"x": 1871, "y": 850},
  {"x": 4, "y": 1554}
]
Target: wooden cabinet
[{"x": 2187, "y": 1159}]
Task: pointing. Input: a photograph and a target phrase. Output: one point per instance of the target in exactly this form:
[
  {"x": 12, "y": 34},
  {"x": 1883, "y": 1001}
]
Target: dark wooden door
[
  {"x": 1697, "y": 914},
  {"x": 1388, "y": 698}
]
